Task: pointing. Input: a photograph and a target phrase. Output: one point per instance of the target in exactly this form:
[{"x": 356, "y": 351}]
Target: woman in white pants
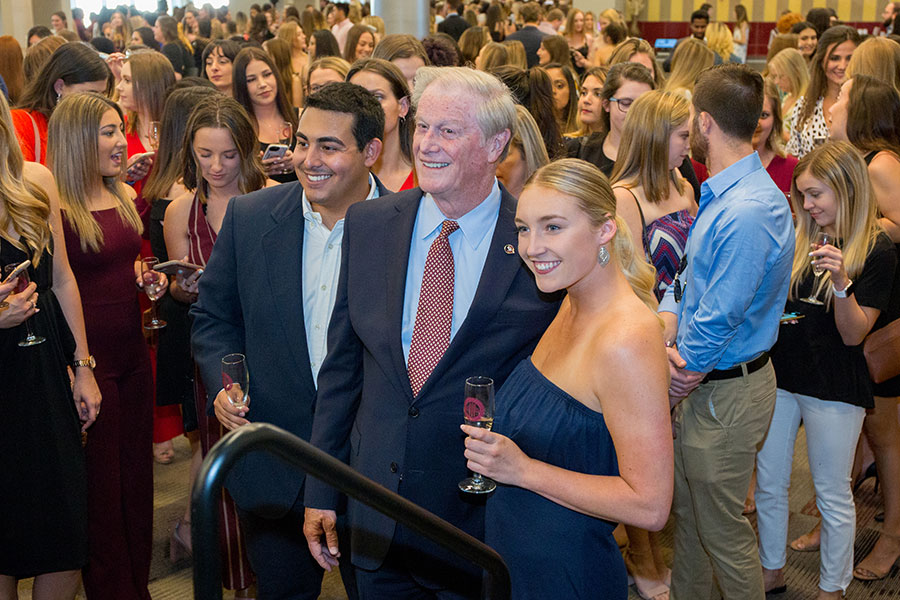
[{"x": 821, "y": 370}]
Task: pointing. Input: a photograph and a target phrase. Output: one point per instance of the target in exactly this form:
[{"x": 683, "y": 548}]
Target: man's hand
[
  {"x": 682, "y": 382},
  {"x": 317, "y": 523},
  {"x": 228, "y": 415}
]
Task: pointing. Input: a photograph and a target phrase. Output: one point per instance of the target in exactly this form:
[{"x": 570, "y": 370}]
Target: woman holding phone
[
  {"x": 258, "y": 87},
  {"x": 220, "y": 161},
  {"x": 43, "y": 487}
]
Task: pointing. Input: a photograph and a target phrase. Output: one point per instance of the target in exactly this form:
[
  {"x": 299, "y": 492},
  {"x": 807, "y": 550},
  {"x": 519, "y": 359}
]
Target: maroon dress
[
  {"x": 237, "y": 574},
  {"x": 118, "y": 451}
]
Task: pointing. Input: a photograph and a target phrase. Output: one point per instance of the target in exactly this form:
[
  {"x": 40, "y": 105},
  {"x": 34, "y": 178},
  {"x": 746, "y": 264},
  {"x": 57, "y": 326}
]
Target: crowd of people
[{"x": 664, "y": 267}]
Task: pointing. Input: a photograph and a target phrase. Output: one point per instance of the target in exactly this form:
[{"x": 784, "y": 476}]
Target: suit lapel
[
  {"x": 500, "y": 268},
  {"x": 283, "y": 249},
  {"x": 398, "y": 240}
]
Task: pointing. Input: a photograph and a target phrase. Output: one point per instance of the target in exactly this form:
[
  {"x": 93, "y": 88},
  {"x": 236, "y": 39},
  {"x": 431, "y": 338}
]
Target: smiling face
[
  {"x": 578, "y": 22},
  {"x": 330, "y": 166},
  {"x": 806, "y": 42},
  {"x": 261, "y": 84},
  {"x": 836, "y": 60},
  {"x": 557, "y": 240},
  {"x": 56, "y": 23},
  {"x": 837, "y": 126},
  {"x": 219, "y": 70},
  {"x": 765, "y": 124},
  {"x": 365, "y": 45},
  {"x": 453, "y": 161},
  {"x": 218, "y": 157},
  {"x": 381, "y": 88},
  {"x": 818, "y": 200},
  {"x": 111, "y": 144}
]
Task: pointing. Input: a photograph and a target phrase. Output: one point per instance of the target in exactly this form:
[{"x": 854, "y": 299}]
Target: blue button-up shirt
[
  {"x": 469, "y": 244},
  {"x": 739, "y": 256}
]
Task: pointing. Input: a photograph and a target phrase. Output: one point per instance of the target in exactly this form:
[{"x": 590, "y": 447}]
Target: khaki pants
[{"x": 719, "y": 428}]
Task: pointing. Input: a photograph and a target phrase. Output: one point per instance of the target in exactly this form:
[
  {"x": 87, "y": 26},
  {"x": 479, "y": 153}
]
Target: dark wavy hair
[
  {"x": 873, "y": 115},
  {"x": 73, "y": 62},
  {"x": 394, "y": 76},
  {"x": 326, "y": 44},
  {"x": 242, "y": 95},
  {"x": 533, "y": 89}
]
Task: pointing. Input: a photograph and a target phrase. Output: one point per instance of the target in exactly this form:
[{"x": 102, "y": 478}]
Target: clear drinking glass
[
  {"x": 236, "y": 380},
  {"x": 152, "y": 287},
  {"x": 822, "y": 239},
  {"x": 478, "y": 411},
  {"x": 21, "y": 283},
  {"x": 285, "y": 133},
  {"x": 154, "y": 135}
]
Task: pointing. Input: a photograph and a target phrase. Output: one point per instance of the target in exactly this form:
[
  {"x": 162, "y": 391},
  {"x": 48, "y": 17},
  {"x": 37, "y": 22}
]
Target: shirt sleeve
[{"x": 745, "y": 247}]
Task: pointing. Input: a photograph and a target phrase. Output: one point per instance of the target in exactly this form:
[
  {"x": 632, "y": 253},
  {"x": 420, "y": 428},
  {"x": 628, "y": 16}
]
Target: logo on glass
[{"x": 473, "y": 409}]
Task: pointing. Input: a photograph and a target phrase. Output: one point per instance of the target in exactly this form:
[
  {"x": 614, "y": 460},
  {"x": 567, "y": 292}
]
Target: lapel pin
[{"x": 509, "y": 249}]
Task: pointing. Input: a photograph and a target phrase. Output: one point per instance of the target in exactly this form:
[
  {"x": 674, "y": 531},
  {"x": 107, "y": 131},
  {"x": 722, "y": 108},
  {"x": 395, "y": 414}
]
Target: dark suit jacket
[
  {"x": 453, "y": 25},
  {"x": 531, "y": 37},
  {"x": 365, "y": 412},
  {"x": 251, "y": 301}
]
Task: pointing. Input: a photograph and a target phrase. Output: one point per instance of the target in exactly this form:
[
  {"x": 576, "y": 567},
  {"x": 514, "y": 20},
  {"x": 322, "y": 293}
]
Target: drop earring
[{"x": 603, "y": 256}]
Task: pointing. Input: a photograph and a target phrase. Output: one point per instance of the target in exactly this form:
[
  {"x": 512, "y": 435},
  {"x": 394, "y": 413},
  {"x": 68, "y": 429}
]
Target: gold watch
[{"x": 85, "y": 362}]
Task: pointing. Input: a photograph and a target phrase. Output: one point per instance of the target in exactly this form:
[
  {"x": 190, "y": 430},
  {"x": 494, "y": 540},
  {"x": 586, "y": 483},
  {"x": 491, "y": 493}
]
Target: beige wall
[{"x": 762, "y": 10}]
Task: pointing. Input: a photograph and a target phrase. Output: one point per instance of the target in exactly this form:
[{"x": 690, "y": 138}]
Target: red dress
[
  {"x": 236, "y": 574},
  {"x": 24, "y": 123},
  {"x": 119, "y": 463}
]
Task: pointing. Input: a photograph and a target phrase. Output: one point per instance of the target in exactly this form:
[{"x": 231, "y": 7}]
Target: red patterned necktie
[{"x": 431, "y": 332}]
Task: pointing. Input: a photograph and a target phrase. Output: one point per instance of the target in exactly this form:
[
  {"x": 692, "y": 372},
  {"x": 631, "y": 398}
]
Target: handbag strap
[
  {"x": 37, "y": 139},
  {"x": 644, "y": 240}
]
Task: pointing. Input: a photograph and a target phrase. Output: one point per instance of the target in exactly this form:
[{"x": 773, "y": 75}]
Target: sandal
[
  {"x": 808, "y": 542},
  {"x": 164, "y": 453},
  {"x": 872, "y": 573},
  {"x": 647, "y": 588},
  {"x": 180, "y": 542}
]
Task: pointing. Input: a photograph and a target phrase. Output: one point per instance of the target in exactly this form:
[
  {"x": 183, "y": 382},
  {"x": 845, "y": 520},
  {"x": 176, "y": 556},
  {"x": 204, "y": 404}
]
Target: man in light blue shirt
[{"x": 722, "y": 316}]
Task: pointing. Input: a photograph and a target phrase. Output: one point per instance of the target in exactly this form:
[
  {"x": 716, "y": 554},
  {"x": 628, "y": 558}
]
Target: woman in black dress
[{"x": 43, "y": 491}]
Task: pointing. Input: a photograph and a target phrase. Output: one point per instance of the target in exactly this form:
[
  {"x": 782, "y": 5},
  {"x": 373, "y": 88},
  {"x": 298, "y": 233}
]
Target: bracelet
[{"x": 844, "y": 292}]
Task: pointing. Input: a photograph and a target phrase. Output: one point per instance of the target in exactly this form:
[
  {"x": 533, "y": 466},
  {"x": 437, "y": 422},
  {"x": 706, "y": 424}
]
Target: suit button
[
  {"x": 413, "y": 412},
  {"x": 394, "y": 467}
]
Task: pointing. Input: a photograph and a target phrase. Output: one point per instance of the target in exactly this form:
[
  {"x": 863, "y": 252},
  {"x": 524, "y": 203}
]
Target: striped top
[{"x": 665, "y": 239}]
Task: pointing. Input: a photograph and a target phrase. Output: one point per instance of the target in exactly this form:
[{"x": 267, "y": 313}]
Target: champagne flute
[
  {"x": 822, "y": 239},
  {"x": 478, "y": 411},
  {"x": 285, "y": 133},
  {"x": 152, "y": 287},
  {"x": 21, "y": 283},
  {"x": 236, "y": 380},
  {"x": 153, "y": 134}
]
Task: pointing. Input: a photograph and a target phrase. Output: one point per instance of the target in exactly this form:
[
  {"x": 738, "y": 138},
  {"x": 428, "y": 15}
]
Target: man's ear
[
  {"x": 496, "y": 144},
  {"x": 372, "y": 151}
]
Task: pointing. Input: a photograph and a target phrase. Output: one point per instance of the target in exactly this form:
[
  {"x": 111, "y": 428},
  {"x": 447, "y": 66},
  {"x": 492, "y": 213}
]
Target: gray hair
[{"x": 495, "y": 109}]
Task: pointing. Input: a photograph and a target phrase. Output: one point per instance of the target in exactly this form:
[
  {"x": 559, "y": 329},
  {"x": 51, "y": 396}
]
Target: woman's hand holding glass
[
  {"x": 830, "y": 258},
  {"x": 20, "y": 307},
  {"x": 495, "y": 456}
]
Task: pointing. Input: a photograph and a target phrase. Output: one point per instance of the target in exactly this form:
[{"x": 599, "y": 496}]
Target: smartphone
[
  {"x": 172, "y": 267},
  {"x": 275, "y": 151},
  {"x": 17, "y": 271},
  {"x": 139, "y": 158}
]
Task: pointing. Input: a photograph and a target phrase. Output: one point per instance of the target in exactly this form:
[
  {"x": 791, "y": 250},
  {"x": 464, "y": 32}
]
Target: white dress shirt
[
  {"x": 321, "y": 269},
  {"x": 340, "y": 31}
]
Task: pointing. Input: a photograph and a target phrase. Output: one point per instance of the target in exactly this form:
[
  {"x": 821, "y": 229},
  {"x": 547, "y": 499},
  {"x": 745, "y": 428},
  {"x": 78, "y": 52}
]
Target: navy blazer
[
  {"x": 531, "y": 37},
  {"x": 366, "y": 414},
  {"x": 251, "y": 301}
]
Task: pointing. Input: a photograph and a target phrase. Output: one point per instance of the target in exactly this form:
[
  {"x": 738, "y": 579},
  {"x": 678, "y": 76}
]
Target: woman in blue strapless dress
[{"x": 582, "y": 435}]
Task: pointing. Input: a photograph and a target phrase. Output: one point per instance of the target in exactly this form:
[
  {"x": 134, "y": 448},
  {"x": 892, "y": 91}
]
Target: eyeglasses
[
  {"x": 679, "y": 287},
  {"x": 624, "y": 103}
]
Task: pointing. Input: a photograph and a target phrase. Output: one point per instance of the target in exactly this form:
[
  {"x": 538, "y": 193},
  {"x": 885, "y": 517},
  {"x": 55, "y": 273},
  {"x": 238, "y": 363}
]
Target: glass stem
[
  {"x": 476, "y": 478},
  {"x": 153, "y": 318},
  {"x": 29, "y": 332}
]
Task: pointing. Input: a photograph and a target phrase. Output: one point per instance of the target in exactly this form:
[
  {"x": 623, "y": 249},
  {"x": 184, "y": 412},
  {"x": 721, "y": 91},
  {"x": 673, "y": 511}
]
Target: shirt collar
[
  {"x": 312, "y": 216},
  {"x": 475, "y": 224},
  {"x": 720, "y": 183}
]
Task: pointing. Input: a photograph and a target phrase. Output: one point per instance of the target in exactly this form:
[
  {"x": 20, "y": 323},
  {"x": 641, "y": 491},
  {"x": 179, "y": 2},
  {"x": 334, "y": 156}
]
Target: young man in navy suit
[
  {"x": 267, "y": 292},
  {"x": 431, "y": 292}
]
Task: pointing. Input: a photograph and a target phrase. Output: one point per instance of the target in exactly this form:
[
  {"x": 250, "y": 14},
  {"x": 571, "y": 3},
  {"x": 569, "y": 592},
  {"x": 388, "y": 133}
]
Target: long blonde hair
[
  {"x": 73, "y": 156},
  {"x": 151, "y": 77},
  {"x": 584, "y": 182},
  {"x": 24, "y": 207},
  {"x": 877, "y": 57},
  {"x": 791, "y": 64},
  {"x": 690, "y": 58},
  {"x": 720, "y": 40},
  {"x": 839, "y": 166},
  {"x": 644, "y": 150}
]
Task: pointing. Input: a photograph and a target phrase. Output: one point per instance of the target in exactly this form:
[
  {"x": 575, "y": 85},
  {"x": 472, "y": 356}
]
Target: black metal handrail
[{"x": 318, "y": 464}]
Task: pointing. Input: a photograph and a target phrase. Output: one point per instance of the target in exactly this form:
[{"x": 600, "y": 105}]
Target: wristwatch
[
  {"x": 844, "y": 292},
  {"x": 85, "y": 362}
]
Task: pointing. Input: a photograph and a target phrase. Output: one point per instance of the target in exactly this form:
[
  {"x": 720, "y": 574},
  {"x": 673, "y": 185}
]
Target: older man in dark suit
[
  {"x": 431, "y": 292},
  {"x": 267, "y": 292}
]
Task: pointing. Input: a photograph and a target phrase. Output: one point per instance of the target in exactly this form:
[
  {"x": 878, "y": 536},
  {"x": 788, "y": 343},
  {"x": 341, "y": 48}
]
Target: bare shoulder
[
  {"x": 272, "y": 183},
  {"x": 884, "y": 165},
  {"x": 38, "y": 174},
  {"x": 179, "y": 207},
  {"x": 632, "y": 336}
]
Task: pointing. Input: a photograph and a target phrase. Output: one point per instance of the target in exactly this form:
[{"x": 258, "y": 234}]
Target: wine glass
[
  {"x": 153, "y": 134},
  {"x": 152, "y": 287},
  {"x": 21, "y": 283},
  {"x": 822, "y": 239},
  {"x": 285, "y": 133},
  {"x": 236, "y": 380},
  {"x": 478, "y": 411}
]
